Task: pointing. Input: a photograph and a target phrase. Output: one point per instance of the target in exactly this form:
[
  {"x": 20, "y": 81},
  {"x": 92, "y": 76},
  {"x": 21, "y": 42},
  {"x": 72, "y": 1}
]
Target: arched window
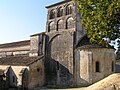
[
  {"x": 60, "y": 12},
  {"x": 52, "y": 14},
  {"x": 13, "y": 79},
  {"x": 60, "y": 24},
  {"x": 69, "y": 23},
  {"x": 51, "y": 26},
  {"x": 97, "y": 66},
  {"x": 69, "y": 9},
  {"x": 112, "y": 66},
  {"x": 58, "y": 65}
]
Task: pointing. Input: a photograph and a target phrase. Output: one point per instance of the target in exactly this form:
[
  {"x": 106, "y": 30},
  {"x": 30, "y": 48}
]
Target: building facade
[{"x": 68, "y": 58}]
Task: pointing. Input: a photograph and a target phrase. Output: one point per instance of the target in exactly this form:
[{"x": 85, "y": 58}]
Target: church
[{"x": 59, "y": 57}]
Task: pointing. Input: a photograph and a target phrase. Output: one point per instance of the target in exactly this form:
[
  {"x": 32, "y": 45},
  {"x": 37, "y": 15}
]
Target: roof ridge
[{"x": 15, "y": 44}]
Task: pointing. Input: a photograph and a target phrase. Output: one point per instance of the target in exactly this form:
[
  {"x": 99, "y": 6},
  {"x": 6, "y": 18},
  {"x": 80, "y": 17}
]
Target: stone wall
[
  {"x": 88, "y": 71},
  {"x": 63, "y": 17},
  {"x": 14, "y": 72},
  {"x": 59, "y": 58},
  {"x": 17, "y": 70},
  {"x": 36, "y": 74},
  {"x": 13, "y": 51},
  {"x": 37, "y": 43}
]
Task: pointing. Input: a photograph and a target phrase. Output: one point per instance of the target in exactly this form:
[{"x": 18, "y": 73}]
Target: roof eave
[{"x": 58, "y": 3}]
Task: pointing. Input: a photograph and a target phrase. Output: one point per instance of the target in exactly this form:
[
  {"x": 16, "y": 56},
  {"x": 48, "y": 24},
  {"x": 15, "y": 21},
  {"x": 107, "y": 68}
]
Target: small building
[
  {"x": 93, "y": 64},
  {"x": 8, "y": 78},
  {"x": 18, "y": 72}
]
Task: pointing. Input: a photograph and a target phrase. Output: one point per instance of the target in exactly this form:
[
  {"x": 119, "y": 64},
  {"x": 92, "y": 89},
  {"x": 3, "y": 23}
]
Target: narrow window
[
  {"x": 97, "y": 66},
  {"x": 38, "y": 69},
  {"x": 112, "y": 66},
  {"x": 57, "y": 65},
  {"x": 13, "y": 79}
]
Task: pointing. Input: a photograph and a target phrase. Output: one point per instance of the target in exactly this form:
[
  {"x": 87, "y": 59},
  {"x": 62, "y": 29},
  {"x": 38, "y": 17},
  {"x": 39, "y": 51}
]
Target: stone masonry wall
[
  {"x": 87, "y": 68},
  {"x": 12, "y": 51},
  {"x": 59, "y": 58},
  {"x": 36, "y": 74}
]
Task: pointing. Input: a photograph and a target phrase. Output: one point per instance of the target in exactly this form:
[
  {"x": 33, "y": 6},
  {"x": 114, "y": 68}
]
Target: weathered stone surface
[
  {"x": 36, "y": 74},
  {"x": 60, "y": 58},
  {"x": 66, "y": 62},
  {"x": 88, "y": 59}
]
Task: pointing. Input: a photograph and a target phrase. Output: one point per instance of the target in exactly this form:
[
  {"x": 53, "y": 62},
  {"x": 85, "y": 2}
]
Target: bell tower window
[
  {"x": 69, "y": 9},
  {"x": 52, "y": 14},
  {"x": 60, "y": 12}
]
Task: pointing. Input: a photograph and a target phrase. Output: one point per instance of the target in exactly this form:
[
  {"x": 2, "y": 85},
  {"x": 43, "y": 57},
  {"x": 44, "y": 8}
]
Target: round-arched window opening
[
  {"x": 60, "y": 24},
  {"x": 60, "y": 12},
  {"x": 69, "y": 9},
  {"x": 69, "y": 23},
  {"x": 51, "y": 26},
  {"x": 52, "y": 14}
]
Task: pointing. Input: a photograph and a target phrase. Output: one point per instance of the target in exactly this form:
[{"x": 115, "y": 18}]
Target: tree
[{"x": 101, "y": 20}]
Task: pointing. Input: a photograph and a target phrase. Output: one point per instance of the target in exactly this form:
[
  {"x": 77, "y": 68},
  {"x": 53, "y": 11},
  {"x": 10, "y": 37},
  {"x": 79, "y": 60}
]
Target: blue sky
[{"x": 21, "y": 18}]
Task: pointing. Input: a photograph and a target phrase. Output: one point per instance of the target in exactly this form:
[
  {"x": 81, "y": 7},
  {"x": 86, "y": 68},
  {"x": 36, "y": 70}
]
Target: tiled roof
[
  {"x": 15, "y": 44},
  {"x": 94, "y": 46},
  {"x": 18, "y": 60},
  {"x": 84, "y": 43},
  {"x": 58, "y": 3}
]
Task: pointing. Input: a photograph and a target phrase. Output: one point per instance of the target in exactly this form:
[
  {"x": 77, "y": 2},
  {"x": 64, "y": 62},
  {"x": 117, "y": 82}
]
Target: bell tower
[
  {"x": 61, "y": 16},
  {"x": 63, "y": 32}
]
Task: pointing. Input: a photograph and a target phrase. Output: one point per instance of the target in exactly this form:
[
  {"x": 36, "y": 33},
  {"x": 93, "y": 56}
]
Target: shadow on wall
[
  {"x": 57, "y": 75},
  {"x": 117, "y": 68}
]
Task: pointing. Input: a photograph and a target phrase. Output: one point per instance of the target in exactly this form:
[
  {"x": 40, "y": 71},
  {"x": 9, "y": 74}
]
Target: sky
[{"x": 21, "y": 18}]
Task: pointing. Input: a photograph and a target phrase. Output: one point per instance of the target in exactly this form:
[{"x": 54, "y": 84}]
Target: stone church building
[{"x": 59, "y": 57}]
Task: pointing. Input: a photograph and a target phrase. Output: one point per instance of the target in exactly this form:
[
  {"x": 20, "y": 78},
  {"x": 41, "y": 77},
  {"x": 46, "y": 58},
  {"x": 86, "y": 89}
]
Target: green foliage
[{"x": 101, "y": 20}]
